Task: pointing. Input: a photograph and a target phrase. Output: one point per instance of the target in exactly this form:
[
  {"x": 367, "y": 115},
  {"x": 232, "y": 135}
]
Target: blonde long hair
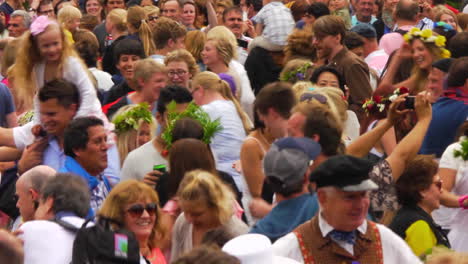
[
  {"x": 28, "y": 56},
  {"x": 136, "y": 17},
  {"x": 203, "y": 186},
  {"x": 128, "y": 140},
  {"x": 211, "y": 82},
  {"x": 422, "y": 74},
  {"x": 129, "y": 192}
]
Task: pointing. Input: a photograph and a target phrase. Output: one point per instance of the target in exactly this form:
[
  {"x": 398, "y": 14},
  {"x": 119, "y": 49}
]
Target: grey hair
[
  {"x": 37, "y": 176},
  {"x": 27, "y": 19},
  {"x": 69, "y": 192}
]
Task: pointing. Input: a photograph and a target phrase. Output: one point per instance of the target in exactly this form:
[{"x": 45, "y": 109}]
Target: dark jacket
[{"x": 261, "y": 68}]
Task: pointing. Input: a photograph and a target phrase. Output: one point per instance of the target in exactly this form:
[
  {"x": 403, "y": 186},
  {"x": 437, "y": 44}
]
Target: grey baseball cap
[{"x": 288, "y": 159}]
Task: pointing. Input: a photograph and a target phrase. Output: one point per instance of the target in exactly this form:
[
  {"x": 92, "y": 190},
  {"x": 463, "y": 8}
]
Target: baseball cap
[
  {"x": 345, "y": 172},
  {"x": 288, "y": 159}
]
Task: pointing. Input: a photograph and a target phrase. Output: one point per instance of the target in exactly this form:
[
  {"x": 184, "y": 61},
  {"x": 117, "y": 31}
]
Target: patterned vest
[{"x": 323, "y": 250}]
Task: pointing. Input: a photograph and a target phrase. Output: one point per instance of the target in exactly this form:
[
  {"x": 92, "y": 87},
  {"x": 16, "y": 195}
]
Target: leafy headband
[
  {"x": 195, "y": 112},
  {"x": 130, "y": 119}
]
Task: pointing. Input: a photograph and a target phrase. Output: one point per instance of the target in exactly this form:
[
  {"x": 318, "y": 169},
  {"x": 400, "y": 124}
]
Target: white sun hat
[{"x": 254, "y": 249}]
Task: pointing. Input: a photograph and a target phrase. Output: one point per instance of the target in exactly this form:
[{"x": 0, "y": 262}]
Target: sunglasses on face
[{"x": 138, "y": 209}]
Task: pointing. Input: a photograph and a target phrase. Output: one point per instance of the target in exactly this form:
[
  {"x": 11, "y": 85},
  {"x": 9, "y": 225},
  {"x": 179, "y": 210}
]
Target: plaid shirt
[
  {"x": 278, "y": 22},
  {"x": 98, "y": 195}
]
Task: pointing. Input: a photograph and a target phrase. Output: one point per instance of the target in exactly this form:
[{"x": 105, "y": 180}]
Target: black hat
[{"x": 345, "y": 172}]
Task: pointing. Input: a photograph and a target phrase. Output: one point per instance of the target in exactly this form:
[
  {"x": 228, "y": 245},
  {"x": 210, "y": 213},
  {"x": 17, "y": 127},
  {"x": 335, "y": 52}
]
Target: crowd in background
[{"x": 234, "y": 131}]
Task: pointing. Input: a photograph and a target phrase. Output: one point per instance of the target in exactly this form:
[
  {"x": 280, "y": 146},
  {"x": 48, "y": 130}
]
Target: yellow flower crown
[{"x": 426, "y": 36}]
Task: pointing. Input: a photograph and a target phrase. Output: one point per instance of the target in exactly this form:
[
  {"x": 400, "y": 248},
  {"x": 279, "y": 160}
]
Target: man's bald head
[
  {"x": 28, "y": 189},
  {"x": 37, "y": 176},
  {"x": 407, "y": 10}
]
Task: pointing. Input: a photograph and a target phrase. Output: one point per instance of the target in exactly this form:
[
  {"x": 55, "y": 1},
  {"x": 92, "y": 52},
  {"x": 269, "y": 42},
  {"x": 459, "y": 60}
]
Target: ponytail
[
  {"x": 136, "y": 17},
  {"x": 227, "y": 93}
]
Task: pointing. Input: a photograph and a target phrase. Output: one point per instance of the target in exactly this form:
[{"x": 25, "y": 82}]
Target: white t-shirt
[
  {"x": 444, "y": 216},
  {"x": 141, "y": 161},
  {"x": 395, "y": 249},
  {"x": 226, "y": 143}
]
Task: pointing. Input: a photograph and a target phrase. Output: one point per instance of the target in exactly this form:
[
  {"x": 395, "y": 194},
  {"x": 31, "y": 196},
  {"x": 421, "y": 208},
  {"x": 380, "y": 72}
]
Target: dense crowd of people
[{"x": 233, "y": 131}]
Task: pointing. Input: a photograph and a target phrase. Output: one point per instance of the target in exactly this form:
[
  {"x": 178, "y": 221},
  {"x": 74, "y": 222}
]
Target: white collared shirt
[{"x": 394, "y": 248}]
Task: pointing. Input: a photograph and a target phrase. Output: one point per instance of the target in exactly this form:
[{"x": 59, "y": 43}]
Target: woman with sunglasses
[
  {"x": 419, "y": 190},
  {"x": 134, "y": 204},
  {"x": 206, "y": 203}
]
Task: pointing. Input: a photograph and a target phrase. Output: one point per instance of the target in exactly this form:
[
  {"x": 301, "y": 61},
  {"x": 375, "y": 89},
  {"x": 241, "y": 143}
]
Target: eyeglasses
[
  {"x": 309, "y": 96},
  {"x": 178, "y": 73},
  {"x": 138, "y": 209},
  {"x": 438, "y": 184},
  {"x": 151, "y": 18}
]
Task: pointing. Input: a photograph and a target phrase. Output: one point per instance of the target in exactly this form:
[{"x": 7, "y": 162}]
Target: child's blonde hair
[
  {"x": 67, "y": 14},
  {"x": 28, "y": 55},
  {"x": 212, "y": 82},
  {"x": 136, "y": 17},
  {"x": 222, "y": 32}
]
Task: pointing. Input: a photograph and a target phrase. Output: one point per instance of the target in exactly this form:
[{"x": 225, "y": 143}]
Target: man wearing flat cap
[{"x": 340, "y": 233}]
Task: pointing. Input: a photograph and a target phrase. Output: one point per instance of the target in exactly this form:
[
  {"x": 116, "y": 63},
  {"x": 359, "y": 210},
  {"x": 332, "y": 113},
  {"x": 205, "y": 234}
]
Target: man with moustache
[
  {"x": 329, "y": 34},
  {"x": 232, "y": 19}
]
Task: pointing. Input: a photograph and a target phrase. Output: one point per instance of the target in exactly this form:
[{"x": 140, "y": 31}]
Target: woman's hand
[
  {"x": 152, "y": 178},
  {"x": 405, "y": 52}
]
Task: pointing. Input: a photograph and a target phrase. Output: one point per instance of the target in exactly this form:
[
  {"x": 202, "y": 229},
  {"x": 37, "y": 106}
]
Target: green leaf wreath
[
  {"x": 130, "y": 119},
  {"x": 463, "y": 152},
  {"x": 195, "y": 112}
]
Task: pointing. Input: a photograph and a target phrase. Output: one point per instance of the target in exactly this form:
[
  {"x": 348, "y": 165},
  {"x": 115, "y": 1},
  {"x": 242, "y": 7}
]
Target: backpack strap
[{"x": 65, "y": 225}]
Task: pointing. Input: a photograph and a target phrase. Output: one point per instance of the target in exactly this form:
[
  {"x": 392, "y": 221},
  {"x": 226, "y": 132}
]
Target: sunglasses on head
[
  {"x": 138, "y": 209},
  {"x": 309, "y": 96},
  {"x": 151, "y": 18}
]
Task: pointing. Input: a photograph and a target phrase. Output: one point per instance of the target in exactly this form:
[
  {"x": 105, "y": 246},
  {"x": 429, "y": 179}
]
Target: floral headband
[
  {"x": 426, "y": 36},
  {"x": 40, "y": 24},
  {"x": 129, "y": 120},
  {"x": 297, "y": 74},
  {"x": 378, "y": 103}
]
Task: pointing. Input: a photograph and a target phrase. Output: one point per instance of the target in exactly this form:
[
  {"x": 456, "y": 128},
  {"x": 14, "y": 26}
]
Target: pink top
[{"x": 156, "y": 257}]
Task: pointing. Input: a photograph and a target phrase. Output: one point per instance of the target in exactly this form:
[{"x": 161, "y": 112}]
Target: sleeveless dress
[{"x": 247, "y": 196}]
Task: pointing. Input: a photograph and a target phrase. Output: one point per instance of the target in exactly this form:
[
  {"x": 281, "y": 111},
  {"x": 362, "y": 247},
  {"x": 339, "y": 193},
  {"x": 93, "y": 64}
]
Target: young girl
[
  {"x": 46, "y": 54},
  {"x": 69, "y": 18}
]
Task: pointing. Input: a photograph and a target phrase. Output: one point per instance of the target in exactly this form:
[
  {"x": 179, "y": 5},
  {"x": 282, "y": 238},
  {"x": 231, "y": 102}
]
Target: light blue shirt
[
  {"x": 55, "y": 158},
  {"x": 355, "y": 21}
]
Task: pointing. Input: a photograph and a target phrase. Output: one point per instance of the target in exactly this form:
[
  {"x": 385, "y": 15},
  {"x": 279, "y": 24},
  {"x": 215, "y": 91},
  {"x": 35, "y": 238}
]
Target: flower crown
[
  {"x": 129, "y": 120},
  {"x": 463, "y": 152},
  {"x": 296, "y": 74},
  {"x": 195, "y": 112},
  {"x": 378, "y": 103},
  {"x": 426, "y": 36}
]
